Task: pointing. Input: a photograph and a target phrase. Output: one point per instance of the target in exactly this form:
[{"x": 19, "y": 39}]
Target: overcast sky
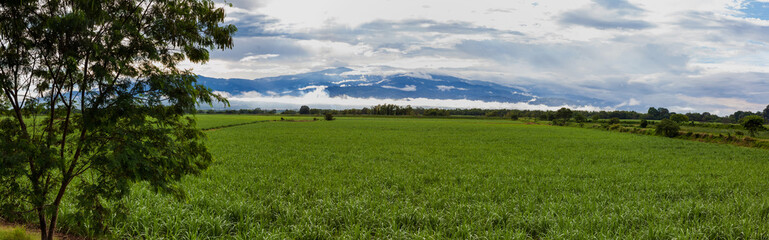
[{"x": 687, "y": 55}]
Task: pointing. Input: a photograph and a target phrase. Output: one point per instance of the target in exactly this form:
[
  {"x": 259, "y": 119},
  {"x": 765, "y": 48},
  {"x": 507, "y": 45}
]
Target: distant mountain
[{"x": 341, "y": 82}]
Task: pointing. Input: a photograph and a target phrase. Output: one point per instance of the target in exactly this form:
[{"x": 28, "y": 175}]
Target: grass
[
  {"x": 16, "y": 233},
  {"x": 210, "y": 121},
  {"x": 453, "y": 178}
]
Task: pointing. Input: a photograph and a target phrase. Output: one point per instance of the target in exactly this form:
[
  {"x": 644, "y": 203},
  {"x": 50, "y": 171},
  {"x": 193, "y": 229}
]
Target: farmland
[{"x": 455, "y": 178}]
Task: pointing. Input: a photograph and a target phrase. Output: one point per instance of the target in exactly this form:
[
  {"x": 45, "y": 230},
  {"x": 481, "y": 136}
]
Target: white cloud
[
  {"x": 258, "y": 57},
  {"x": 614, "y": 50},
  {"x": 407, "y": 88},
  {"x": 321, "y": 99},
  {"x": 444, "y": 88}
]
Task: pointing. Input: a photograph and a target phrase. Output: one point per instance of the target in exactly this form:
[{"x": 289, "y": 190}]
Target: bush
[
  {"x": 613, "y": 121},
  {"x": 329, "y": 117},
  {"x": 667, "y": 128},
  {"x": 644, "y": 123}
]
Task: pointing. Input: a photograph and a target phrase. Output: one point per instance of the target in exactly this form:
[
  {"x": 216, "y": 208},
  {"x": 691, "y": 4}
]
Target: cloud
[
  {"x": 258, "y": 57},
  {"x": 407, "y": 88},
  {"x": 607, "y": 14},
  {"x": 319, "y": 98},
  {"x": 444, "y": 88},
  {"x": 613, "y": 50},
  {"x": 591, "y": 19}
]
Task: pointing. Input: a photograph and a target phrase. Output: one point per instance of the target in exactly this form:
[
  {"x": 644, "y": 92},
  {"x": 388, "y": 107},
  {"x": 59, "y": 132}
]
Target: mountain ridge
[{"x": 344, "y": 82}]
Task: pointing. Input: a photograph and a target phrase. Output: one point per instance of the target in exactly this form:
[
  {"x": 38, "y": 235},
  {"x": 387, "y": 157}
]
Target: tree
[
  {"x": 613, "y": 121},
  {"x": 667, "y": 128},
  {"x": 579, "y": 118},
  {"x": 595, "y": 118},
  {"x": 653, "y": 113},
  {"x": 679, "y": 118},
  {"x": 329, "y": 117},
  {"x": 765, "y": 113},
  {"x": 663, "y": 113},
  {"x": 304, "y": 110},
  {"x": 100, "y": 84},
  {"x": 644, "y": 123},
  {"x": 564, "y": 113},
  {"x": 753, "y": 124}
]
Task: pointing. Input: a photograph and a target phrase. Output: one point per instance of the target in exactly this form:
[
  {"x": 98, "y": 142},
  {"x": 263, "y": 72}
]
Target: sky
[{"x": 686, "y": 55}]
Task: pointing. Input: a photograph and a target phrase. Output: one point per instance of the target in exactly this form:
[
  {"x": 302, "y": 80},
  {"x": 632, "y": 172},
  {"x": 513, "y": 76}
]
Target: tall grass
[{"x": 446, "y": 178}]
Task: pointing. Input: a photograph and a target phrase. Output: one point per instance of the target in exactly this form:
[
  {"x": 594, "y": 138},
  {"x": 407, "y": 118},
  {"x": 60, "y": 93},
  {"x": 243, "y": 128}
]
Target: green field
[{"x": 452, "y": 178}]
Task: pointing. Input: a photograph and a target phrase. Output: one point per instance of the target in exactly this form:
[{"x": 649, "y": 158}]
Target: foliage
[
  {"x": 579, "y": 118},
  {"x": 564, "y": 113},
  {"x": 96, "y": 101},
  {"x": 667, "y": 128},
  {"x": 644, "y": 123},
  {"x": 613, "y": 121},
  {"x": 328, "y": 117},
  {"x": 657, "y": 113},
  {"x": 595, "y": 118},
  {"x": 753, "y": 124},
  {"x": 405, "y": 178},
  {"x": 765, "y": 113},
  {"x": 679, "y": 118},
  {"x": 304, "y": 109}
]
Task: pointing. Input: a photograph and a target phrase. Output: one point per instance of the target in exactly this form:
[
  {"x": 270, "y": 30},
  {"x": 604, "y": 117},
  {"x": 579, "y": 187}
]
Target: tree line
[{"x": 545, "y": 115}]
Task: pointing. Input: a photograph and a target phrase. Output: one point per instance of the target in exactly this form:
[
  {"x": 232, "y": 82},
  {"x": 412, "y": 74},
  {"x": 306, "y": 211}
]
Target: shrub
[
  {"x": 329, "y": 117},
  {"x": 739, "y": 133},
  {"x": 644, "y": 123},
  {"x": 667, "y": 128},
  {"x": 613, "y": 121}
]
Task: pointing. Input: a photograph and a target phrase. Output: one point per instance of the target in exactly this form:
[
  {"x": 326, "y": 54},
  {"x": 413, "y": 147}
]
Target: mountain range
[{"x": 346, "y": 83}]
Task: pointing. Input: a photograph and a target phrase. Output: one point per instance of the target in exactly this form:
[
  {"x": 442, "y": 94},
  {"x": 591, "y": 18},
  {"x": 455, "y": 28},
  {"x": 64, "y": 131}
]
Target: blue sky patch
[{"x": 756, "y": 9}]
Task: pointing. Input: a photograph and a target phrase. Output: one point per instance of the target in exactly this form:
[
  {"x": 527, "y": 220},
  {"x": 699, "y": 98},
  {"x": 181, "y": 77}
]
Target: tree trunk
[{"x": 41, "y": 218}]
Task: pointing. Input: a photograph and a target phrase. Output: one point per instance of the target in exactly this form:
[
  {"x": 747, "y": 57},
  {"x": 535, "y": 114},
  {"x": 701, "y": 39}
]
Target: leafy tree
[
  {"x": 613, "y": 121},
  {"x": 679, "y": 118},
  {"x": 765, "y": 113},
  {"x": 644, "y": 123},
  {"x": 579, "y": 118},
  {"x": 753, "y": 124},
  {"x": 663, "y": 113},
  {"x": 100, "y": 84},
  {"x": 652, "y": 113},
  {"x": 304, "y": 110},
  {"x": 595, "y": 118},
  {"x": 667, "y": 128},
  {"x": 564, "y": 113},
  {"x": 329, "y": 117}
]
